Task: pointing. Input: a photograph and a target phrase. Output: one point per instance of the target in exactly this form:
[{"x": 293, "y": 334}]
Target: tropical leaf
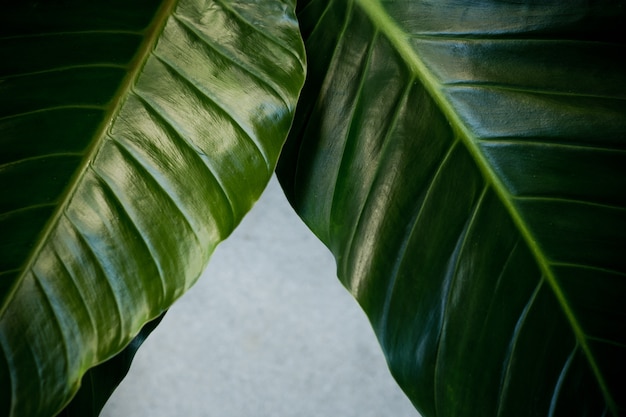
[
  {"x": 465, "y": 161},
  {"x": 134, "y": 135},
  {"x": 99, "y": 382}
]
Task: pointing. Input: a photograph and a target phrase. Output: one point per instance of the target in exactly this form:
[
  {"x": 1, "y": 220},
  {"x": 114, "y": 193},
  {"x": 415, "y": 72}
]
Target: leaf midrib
[
  {"x": 151, "y": 35},
  {"x": 398, "y": 38}
]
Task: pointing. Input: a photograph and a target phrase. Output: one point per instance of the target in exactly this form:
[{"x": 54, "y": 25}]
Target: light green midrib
[
  {"x": 399, "y": 39},
  {"x": 151, "y": 35}
]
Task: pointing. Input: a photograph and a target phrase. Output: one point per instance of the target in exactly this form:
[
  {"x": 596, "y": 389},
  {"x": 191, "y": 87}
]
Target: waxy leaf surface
[
  {"x": 134, "y": 135},
  {"x": 465, "y": 161}
]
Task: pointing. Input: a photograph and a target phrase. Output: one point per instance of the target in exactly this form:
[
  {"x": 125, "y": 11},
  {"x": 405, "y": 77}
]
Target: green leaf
[
  {"x": 134, "y": 135},
  {"x": 466, "y": 163},
  {"x": 99, "y": 382}
]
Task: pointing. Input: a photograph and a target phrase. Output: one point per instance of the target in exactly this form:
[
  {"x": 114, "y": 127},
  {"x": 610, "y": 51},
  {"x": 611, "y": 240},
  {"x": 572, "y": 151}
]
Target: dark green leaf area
[
  {"x": 597, "y": 296},
  {"x": 35, "y": 17},
  {"x": 410, "y": 222},
  {"x": 49, "y": 52},
  {"x": 564, "y": 384},
  {"x": 73, "y": 87},
  {"x": 611, "y": 361},
  {"x": 64, "y": 129},
  {"x": 322, "y": 45},
  {"x": 19, "y": 230},
  {"x": 576, "y": 19},
  {"x": 584, "y": 68},
  {"x": 464, "y": 161},
  {"x": 497, "y": 114},
  {"x": 548, "y": 119},
  {"x": 577, "y": 233},
  {"x": 30, "y": 189},
  {"x": 34, "y": 182},
  {"x": 428, "y": 249},
  {"x": 502, "y": 327},
  {"x": 532, "y": 169},
  {"x": 576, "y": 377}
]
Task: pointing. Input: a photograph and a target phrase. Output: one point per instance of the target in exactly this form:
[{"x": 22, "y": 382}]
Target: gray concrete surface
[{"x": 267, "y": 331}]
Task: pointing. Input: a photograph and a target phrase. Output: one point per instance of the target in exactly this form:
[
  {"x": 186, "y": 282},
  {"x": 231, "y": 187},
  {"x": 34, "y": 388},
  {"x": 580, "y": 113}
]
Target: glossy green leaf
[
  {"x": 99, "y": 382},
  {"x": 465, "y": 161},
  {"x": 134, "y": 135}
]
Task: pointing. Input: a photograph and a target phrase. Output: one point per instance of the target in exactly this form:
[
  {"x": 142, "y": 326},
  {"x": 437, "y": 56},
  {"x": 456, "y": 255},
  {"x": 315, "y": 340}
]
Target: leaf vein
[
  {"x": 226, "y": 112},
  {"x": 360, "y": 223},
  {"x": 53, "y": 108},
  {"x": 181, "y": 139},
  {"x": 508, "y": 361},
  {"x": 73, "y": 280},
  {"x": 559, "y": 383},
  {"x": 38, "y": 157},
  {"x": 7, "y": 214},
  {"x": 402, "y": 257},
  {"x": 254, "y": 27},
  {"x": 450, "y": 281},
  {"x": 65, "y": 68},
  {"x": 55, "y": 318},
  {"x": 188, "y": 26},
  {"x": 545, "y": 143},
  {"x": 486, "y": 85},
  {"x": 84, "y": 243},
  {"x": 352, "y": 122},
  {"x": 112, "y": 196},
  {"x": 400, "y": 41}
]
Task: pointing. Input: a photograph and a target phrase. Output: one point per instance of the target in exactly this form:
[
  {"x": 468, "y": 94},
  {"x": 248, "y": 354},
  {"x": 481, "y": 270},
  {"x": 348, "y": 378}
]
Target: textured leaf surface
[
  {"x": 134, "y": 135},
  {"x": 466, "y": 163},
  {"x": 99, "y": 382}
]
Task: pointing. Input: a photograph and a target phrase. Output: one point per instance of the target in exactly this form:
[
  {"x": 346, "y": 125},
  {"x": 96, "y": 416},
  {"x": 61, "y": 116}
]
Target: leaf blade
[
  {"x": 500, "y": 91},
  {"x": 166, "y": 160}
]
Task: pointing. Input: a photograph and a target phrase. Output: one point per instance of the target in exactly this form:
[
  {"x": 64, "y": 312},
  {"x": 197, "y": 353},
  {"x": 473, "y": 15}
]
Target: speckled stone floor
[{"x": 267, "y": 331}]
